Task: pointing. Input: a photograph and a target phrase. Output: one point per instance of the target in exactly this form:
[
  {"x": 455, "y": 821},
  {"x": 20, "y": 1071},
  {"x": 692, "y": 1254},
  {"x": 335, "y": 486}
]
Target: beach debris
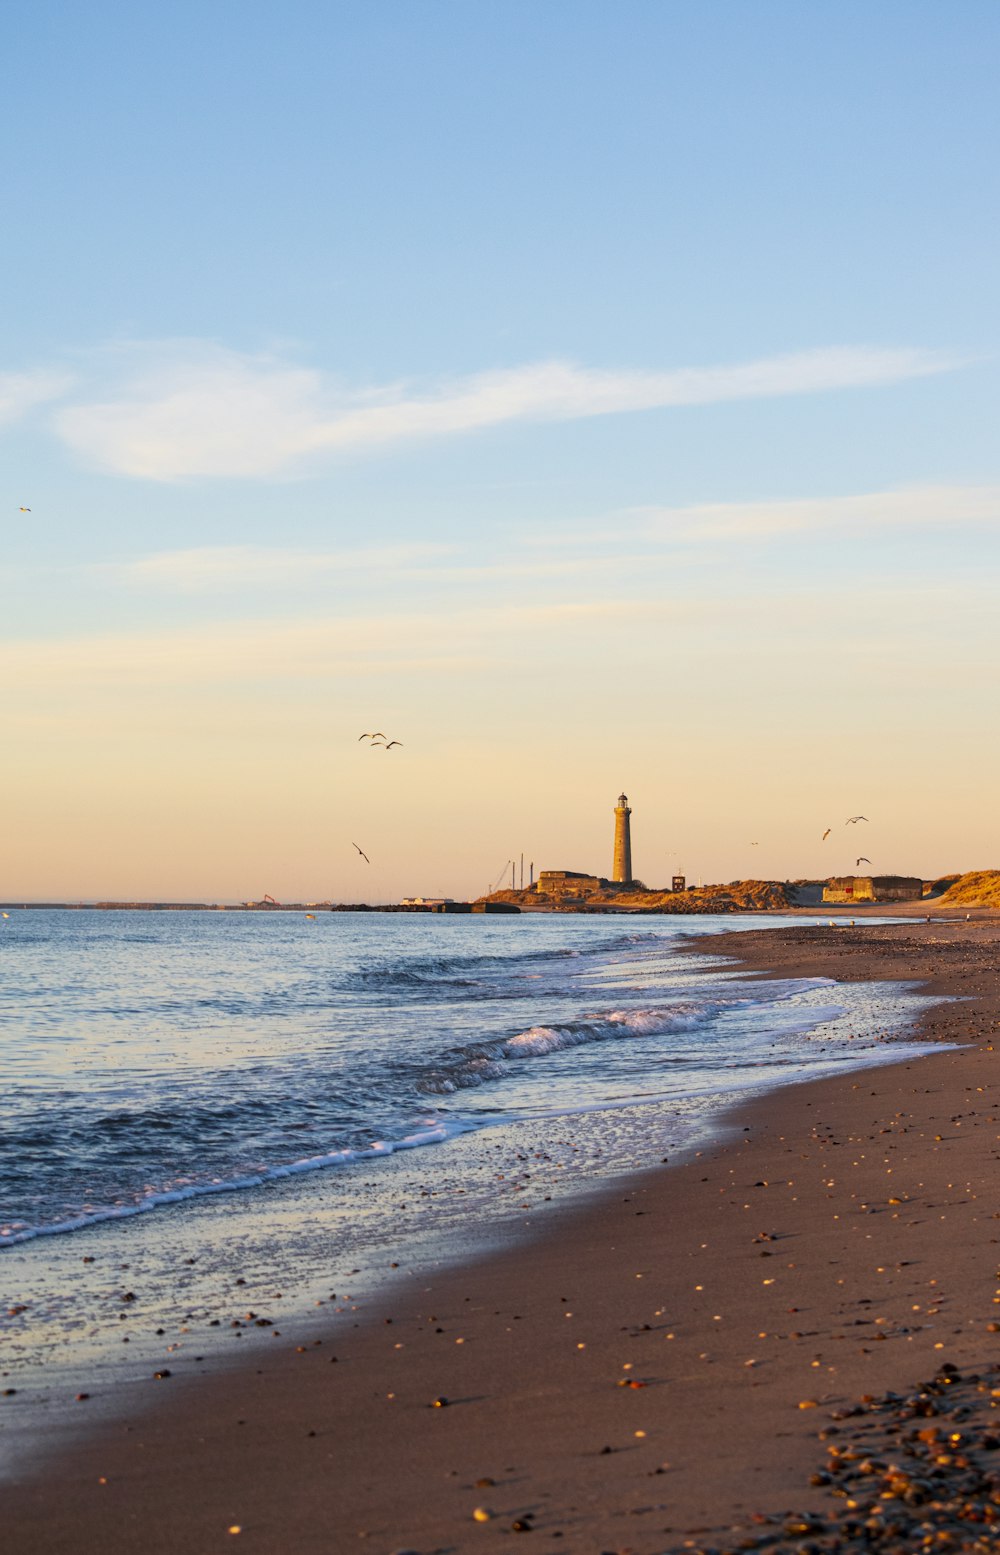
[
  {"x": 440, "y": 1403},
  {"x": 482, "y": 1514},
  {"x": 913, "y": 1471}
]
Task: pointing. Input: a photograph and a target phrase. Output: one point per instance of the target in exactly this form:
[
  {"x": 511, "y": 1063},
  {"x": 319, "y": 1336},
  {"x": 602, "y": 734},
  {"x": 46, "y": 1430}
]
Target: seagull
[
  {"x": 24, "y": 510},
  {"x": 826, "y": 834},
  {"x": 858, "y": 861},
  {"x": 377, "y": 736},
  {"x": 852, "y": 820},
  {"x": 364, "y": 855},
  {"x": 391, "y": 744}
]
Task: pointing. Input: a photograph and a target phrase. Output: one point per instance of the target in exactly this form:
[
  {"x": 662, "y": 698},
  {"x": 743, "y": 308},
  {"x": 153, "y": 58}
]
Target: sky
[{"x": 592, "y": 397}]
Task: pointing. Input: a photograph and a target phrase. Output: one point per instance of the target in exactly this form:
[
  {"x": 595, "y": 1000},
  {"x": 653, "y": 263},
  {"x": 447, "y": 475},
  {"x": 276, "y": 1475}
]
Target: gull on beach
[
  {"x": 852, "y": 820},
  {"x": 826, "y": 834},
  {"x": 364, "y": 855}
]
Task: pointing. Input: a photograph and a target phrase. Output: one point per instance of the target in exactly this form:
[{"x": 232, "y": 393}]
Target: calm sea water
[{"x": 188, "y": 1094}]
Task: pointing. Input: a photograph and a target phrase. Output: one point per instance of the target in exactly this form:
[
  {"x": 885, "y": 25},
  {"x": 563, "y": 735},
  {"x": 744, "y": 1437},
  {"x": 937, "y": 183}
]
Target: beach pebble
[{"x": 482, "y": 1514}]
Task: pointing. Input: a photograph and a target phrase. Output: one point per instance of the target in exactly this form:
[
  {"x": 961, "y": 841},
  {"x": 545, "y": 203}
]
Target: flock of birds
[
  {"x": 852, "y": 820},
  {"x": 377, "y": 741}
]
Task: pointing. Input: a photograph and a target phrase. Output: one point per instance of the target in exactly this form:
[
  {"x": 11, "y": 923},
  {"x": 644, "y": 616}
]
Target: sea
[{"x": 208, "y": 1114}]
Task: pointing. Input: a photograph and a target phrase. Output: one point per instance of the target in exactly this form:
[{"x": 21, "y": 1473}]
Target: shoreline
[{"x": 357, "y": 1457}]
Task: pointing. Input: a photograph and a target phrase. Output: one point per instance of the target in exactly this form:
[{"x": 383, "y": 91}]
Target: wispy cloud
[
  {"x": 876, "y": 619},
  {"x": 21, "y": 392},
  {"x": 917, "y": 506},
  {"x": 218, "y": 568},
  {"x": 197, "y": 409},
  {"x": 260, "y": 651}
]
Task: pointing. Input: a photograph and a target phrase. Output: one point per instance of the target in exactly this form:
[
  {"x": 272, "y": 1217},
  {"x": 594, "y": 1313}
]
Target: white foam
[{"x": 436, "y": 1133}]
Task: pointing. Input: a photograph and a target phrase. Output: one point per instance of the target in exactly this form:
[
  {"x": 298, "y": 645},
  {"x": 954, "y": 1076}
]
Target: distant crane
[{"x": 496, "y": 884}]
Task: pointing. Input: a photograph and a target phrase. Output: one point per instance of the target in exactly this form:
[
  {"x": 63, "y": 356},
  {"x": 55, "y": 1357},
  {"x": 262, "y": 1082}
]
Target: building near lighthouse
[
  {"x": 621, "y": 871},
  {"x": 571, "y": 887}
]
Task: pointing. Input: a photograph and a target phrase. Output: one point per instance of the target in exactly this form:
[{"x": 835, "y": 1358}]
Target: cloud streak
[
  {"x": 193, "y": 409},
  {"x": 220, "y": 568},
  {"x": 918, "y": 506},
  {"x": 21, "y": 392}
]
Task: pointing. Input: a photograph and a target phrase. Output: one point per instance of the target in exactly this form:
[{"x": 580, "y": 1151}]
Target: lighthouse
[{"x": 622, "y": 870}]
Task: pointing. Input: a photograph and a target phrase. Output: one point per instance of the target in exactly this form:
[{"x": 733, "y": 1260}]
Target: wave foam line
[
  {"x": 10, "y": 1236},
  {"x": 489, "y": 1061}
]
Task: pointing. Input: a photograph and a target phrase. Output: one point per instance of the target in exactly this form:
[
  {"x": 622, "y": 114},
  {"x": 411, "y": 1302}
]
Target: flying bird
[
  {"x": 858, "y": 861},
  {"x": 376, "y": 736},
  {"x": 24, "y": 510},
  {"x": 391, "y": 744},
  {"x": 826, "y": 834},
  {"x": 852, "y": 820},
  {"x": 364, "y": 855}
]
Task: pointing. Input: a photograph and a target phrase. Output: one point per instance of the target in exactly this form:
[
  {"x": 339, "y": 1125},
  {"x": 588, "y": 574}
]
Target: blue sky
[{"x": 541, "y": 377}]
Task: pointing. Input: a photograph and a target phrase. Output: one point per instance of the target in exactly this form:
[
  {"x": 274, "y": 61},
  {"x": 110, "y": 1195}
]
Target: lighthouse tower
[{"x": 622, "y": 870}]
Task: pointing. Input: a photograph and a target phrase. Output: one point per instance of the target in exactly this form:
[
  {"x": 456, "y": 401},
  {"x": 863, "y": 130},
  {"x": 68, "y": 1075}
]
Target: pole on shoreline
[{"x": 522, "y": 871}]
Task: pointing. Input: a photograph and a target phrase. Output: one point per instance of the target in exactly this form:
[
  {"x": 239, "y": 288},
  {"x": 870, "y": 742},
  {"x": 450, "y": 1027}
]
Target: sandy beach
[{"x": 610, "y": 1386}]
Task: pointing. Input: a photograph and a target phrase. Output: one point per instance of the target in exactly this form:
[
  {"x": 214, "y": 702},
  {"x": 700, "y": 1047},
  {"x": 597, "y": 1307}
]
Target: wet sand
[{"x": 606, "y": 1385}]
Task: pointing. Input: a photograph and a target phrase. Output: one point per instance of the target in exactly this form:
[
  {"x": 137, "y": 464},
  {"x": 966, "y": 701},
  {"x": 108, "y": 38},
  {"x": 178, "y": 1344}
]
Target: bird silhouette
[
  {"x": 364, "y": 855},
  {"x": 377, "y": 736},
  {"x": 391, "y": 744},
  {"x": 24, "y": 510},
  {"x": 826, "y": 834},
  {"x": 858, "y": 861},
  {"x": 852, "y": 820}
]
